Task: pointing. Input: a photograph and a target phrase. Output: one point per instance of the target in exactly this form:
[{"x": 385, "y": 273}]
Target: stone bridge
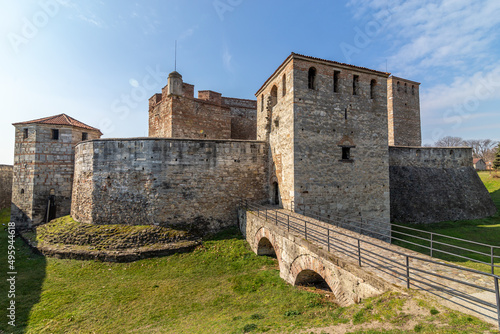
[
  {"x": 301, "y": 262},
  {"x": 356, "y": 266}
]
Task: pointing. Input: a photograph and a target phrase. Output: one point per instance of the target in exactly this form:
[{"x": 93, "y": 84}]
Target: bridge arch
[
  {"x": 306, "y": 268},
  {"x": 265, "y": 244}
]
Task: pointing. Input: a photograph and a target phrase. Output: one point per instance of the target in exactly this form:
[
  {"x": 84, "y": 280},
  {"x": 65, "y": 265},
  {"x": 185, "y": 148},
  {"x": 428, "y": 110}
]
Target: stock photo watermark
[
  {"x": 140, "y": 91},
  {"x": 11, "y": 274},
  {"x": 364, "y": 36},
  {"x": 224, "y": 6},
  {"x": 31, "y": 26}
]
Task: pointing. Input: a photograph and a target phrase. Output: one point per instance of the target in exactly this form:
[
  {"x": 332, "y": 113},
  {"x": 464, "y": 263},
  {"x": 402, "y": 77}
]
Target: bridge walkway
[{"x": 460, "y": 288}]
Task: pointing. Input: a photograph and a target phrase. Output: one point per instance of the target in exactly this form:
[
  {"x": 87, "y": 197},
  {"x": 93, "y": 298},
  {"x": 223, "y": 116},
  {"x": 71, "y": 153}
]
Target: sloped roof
[
  {"x": 475, "y": 161},
  {"x": 61, "y": 119}
]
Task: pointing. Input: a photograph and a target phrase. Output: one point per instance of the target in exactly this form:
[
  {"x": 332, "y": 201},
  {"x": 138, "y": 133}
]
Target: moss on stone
[{"x": 66, "y": 230}]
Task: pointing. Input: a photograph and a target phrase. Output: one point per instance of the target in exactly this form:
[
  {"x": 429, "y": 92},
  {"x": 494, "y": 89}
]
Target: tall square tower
[{"x": 326, "y": 124}]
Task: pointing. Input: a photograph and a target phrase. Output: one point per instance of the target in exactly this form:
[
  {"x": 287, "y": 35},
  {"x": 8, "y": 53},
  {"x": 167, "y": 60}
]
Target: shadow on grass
[
  {"x": 31, "y": 272},
  {"x": 232, "y": 232}
]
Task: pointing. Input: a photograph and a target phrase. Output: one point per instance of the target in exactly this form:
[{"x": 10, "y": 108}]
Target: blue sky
[{"x": 100, "y": 61}]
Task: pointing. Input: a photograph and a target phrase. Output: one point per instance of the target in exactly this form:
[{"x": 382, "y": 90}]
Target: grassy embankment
[
  {"x": 485, "y": 231},
  {"x": 221, "y": 287}
]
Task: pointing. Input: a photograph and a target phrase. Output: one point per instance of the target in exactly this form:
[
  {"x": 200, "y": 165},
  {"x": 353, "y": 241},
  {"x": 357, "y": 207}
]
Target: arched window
[
  {"x": 373, "y": 83},
  {"x": 399, "y": 86},
  {"x": 283, "y": 84},
  {"x": 262, "y": 102},
  {"x": 311, "y": 78},
  {"x": 274, "y": 96}
]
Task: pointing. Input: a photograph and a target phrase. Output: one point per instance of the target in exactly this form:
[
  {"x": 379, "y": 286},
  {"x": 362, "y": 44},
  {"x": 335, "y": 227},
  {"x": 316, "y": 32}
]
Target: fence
[
  {"x": 434, "y": 243},
  {"x": 362, "y": 250}
]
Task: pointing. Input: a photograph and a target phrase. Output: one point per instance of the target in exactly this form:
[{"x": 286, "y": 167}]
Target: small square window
[
  {"x": 85, "y": 136},
  {"x": 346, "y": 153},
  {"x": 25, "y": 133},
  {"x": 55, "y": 134}
]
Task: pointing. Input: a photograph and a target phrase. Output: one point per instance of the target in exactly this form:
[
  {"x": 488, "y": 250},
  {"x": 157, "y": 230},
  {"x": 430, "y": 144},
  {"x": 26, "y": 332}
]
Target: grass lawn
[
  {"x": 221, "y": 287},
  {"x": 485, "y": 231}
]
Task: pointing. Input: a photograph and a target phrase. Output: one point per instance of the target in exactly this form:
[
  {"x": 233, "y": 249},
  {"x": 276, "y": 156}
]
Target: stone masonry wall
[
  {"x": 243, "y": 118},
  {"x": 210, "y": 116},
  {"x": 404, "y": 112},
  {"x": 275, "y": 125},
  {"x": 5, "y": 186},
  {"x": 325, "y": 121},
  {"x": 431, "y": 184},
  {"x": 43, "y": 167},
  {"x": 170, "y": 182}
]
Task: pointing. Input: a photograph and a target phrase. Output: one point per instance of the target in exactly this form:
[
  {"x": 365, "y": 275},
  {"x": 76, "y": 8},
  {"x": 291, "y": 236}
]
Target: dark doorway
[
  {"x": 276, "y": 194},
  {"x": 51, "y": 208}
]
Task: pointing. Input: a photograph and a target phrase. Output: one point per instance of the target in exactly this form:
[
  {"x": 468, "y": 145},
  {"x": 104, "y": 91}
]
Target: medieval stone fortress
[{"x": 325, "y": 136}]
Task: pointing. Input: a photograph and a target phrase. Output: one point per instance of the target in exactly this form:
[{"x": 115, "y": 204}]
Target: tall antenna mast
[{"x": 175, "y": 61}]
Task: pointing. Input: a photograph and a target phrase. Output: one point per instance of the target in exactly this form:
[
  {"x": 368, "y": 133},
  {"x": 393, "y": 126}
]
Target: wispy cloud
[
  {"x": 227, "y": 58},
  {"x": 187, "y": 33},
  {"x": 427, "y": 34}
]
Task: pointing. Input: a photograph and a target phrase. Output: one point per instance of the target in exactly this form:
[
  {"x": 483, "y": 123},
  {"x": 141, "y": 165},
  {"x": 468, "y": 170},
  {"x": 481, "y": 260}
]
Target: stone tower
[
  {"x": 43, "y": 167},
  {"x": 176, "y": 113},
  {"x": 326, "y": 124},
  {"x": 403, "y": 108}
]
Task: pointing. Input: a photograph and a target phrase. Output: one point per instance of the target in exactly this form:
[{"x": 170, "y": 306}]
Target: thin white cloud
[
  {"x": 427, "y": 34},
  {"x": 227, "y": 58},
  {"x": 187, "y": 33},
  {"x": 464, "y": 93}
]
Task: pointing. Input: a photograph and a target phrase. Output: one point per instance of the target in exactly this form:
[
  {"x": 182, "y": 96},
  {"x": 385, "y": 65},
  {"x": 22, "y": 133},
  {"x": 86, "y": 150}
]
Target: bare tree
[
  {"x": 449, "y": 141},
  {"x": 482, "y": 148}
]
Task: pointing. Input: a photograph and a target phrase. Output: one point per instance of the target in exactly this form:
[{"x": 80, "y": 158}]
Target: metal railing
[
  {"x": 354, "y": 247},
  {"x": 434, "y": 243}
]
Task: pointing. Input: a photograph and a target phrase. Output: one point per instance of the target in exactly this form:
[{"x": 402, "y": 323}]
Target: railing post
[
  {"x": 498, "y": 301},
  {"x": 328, "y": 239},
  {"x": 288, "y": 222},
  {"x": 492, "y": 260},
  {"x": 432, "y": 243},
  {"x": 276, "y": 217},
  {"x": 407, "y": 272},
  {"x": 266, "y": 214},
  {"x": 359, "y": 252},
  {"x": 305, "y": 229}
]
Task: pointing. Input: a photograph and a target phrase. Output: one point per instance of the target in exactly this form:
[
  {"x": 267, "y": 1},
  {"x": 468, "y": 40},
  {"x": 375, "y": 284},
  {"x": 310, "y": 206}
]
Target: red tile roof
[
  {"x": 61, "y": 119},
  {"x": 475, "y": 161}
]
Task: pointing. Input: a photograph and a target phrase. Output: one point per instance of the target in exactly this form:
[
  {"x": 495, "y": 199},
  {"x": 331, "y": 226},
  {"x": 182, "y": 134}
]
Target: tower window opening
[
  {"x": 55, "y": 134},
  {"x": 355, "y": 83},
  {"x": 398, "y": 86},
  {"x": 22, "y": 191},
  {"x": 373, "y": 83},
  {"x": 25, "y": 133},
  {"x": 262, "y": 102},
  {"x": 85, "y": 136},
  {"x": 346, "y": 153},
  {"x": 412, "y": 90},
  {"x": 406, "y": 88},
  {"x": 274, "y": 96},
  {"x": 311, "y": 78},
  {"x": 336, "y": 81}
]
